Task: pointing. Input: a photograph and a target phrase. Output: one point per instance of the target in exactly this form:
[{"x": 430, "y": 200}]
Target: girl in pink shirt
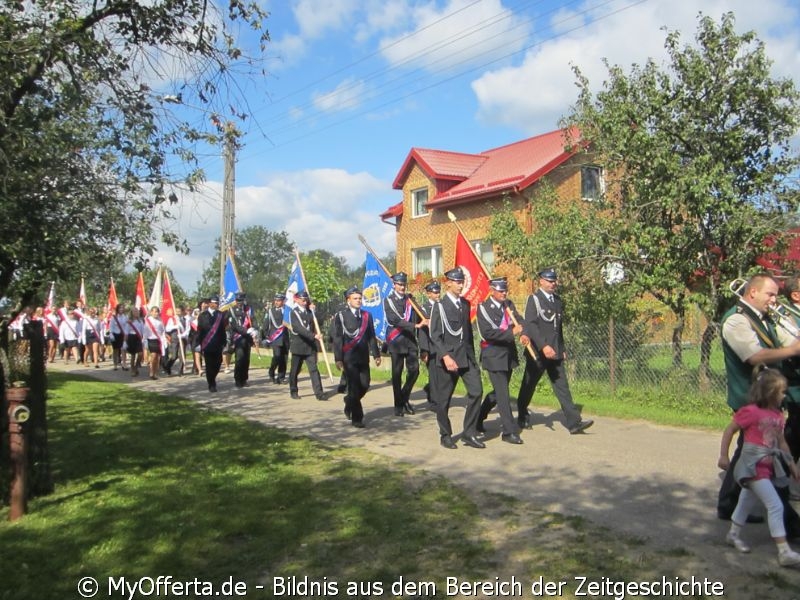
[{"x": 764, "y": 461}]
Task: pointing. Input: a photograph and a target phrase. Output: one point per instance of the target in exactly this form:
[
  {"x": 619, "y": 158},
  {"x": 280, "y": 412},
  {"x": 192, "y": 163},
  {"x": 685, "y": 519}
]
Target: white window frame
[
  {"x": 482, "y": 248},
  {"x": 435, "y": 259},
  {"x": 601, "y": 184},
  {"x": 416, "y": 210}
]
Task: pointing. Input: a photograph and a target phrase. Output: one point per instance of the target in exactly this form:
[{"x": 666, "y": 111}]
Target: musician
[
  {"x": 277, "y": 339},
  {"x": 543, "y": 324},
  {"x": 303, "y": 342},
  {"x": 749, "y": 338},
  {"x": 353, "y": 342},
  {"x": 453, "y": 353},
  {"x": 433, "y": 290},
  {"x": 212, "y": 337},
  {"x": 243, "y": 334},
  {"x": 401, "y": 340},
  {"x": 499, "y": 354}
]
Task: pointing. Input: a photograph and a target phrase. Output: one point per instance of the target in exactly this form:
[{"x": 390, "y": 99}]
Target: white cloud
[
  {"x": 318, "y": 208},
  {"x": 535, "y": 94},
  {"x": 456, "y": 35},
  {"x": 345, "y": 96}
]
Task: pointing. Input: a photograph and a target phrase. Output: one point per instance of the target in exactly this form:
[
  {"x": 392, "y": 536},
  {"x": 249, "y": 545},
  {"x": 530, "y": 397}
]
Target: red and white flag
[
  {"x": 49, "y": 306},
  {"x": 111, "y": 306},
  {"x": 155, "y": 297},
  {"x": 140, "y": 301},
  {"x": 167, "y": 303},
  {"x": 82, "y": 294},
  {"x": 476, "y": 279}
]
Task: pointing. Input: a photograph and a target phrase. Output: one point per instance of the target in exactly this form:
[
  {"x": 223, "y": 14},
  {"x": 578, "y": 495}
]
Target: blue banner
[
  {"x": 230, "y": 285},
  {"x": 377, "y": 285},
  {"x": 295, "y": 285}
]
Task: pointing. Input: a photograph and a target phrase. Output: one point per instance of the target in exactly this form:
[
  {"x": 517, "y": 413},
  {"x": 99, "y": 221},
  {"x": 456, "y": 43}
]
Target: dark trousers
[
  {"x": 213, "y": 364},
  {"x": 792, "y": 428},
  {"x": 241, "y": 369},
  {"x": 173, "y": 355},
  {"x": 443, "y": 382},
  {"x": 534, "y": 369},
  {"x": 500, "y": 397},
  {"x": 402, "y": 391},
  {"x": 313, "y": 371},
  {"x": 358, "y": 380},
  {"x": 278, "y": 364}
]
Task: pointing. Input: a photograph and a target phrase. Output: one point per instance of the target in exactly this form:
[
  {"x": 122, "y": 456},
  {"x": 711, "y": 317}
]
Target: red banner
[
  {"x": 476, "y": 279},
  {"x": 140, "y": 301},
  {"x": 167, "y": 302}
]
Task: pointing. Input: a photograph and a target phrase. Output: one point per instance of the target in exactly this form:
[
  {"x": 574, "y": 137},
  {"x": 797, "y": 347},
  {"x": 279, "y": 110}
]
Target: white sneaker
[
  {"x": 736, "y": 542},
  {"x": 788, "y": 558}
]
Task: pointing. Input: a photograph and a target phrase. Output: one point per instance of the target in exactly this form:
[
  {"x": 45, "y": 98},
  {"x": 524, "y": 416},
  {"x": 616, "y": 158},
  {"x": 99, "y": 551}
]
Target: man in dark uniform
[
  {"x": 353, "y": 342},
  {"x": 453, "y": 349},
  {"x": 242, "y": 332},
  {"x": 277, "y": 339},
  {"x": 499, "y": 354},
  {"x": 303, "y": 344},
  {"x": 543, "y": 324},
  {"x": 212, "y": 337},
  {"x": 433, "y": 291},
  {"x": 401, "y": 340}
]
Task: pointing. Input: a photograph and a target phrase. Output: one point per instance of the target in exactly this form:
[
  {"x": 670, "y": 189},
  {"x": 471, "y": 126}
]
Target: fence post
[{"x": 612, "y": 357}]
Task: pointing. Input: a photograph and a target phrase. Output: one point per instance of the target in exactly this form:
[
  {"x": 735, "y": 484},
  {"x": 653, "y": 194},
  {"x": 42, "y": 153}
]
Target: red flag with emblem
[
  {"x": 140, "y": 301},
  {"x": 476, "y": 279}
]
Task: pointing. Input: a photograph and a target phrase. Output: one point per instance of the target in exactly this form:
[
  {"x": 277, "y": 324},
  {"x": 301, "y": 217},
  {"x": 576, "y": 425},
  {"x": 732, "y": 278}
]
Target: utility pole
[{"x": 228, "y": 201}]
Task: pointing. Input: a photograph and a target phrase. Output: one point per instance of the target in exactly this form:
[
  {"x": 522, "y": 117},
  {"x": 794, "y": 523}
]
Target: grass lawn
[{"x": 149, "y": 485}]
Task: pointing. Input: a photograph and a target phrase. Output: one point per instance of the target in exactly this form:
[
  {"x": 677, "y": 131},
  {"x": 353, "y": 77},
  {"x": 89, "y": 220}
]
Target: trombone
[{"x": 783, "y": 314}]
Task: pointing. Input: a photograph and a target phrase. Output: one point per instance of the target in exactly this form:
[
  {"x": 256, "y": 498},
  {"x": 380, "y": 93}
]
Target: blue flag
[
  {"x": 295, "y": 285},
  {"x": 377, "y": 285},
  {"x": 230, "y": 285}
]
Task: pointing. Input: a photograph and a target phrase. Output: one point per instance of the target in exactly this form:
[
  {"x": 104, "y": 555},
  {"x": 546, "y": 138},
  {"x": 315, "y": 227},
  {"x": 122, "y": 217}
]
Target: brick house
[{"x": 473, "y": 187}]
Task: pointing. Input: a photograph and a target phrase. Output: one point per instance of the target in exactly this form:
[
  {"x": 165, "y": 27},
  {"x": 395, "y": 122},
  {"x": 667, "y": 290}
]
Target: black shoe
[
  {"x": 581, "y": 426},
  {"x": 322, "y": 397},
  {"x": 358, "y": 424},
  {"x": 408, "y": 408},
  {"x": 275, "y": 380},
  {"x": 448, "y": 442},
  {"x": 399, "y": 412},
  {"x": 472, "y": 441},
  {"x": 212, "y": 388},
  {"x": 341, "y": 389},
  {"x": 524, "y": 422},
  {"x": 480, "y": 428},
  {"x": 294, "y": 396},
  {"x": 512, "y": 438},
  {"x": 347, "y": 413}
]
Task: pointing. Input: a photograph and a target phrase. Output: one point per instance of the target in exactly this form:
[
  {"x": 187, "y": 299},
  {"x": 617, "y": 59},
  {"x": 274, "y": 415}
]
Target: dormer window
[{"x": 419, "y": 198}]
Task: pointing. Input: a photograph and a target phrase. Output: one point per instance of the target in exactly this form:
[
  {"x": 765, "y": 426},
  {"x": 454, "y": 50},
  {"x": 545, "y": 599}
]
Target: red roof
[{"x": 510, "y": 168}]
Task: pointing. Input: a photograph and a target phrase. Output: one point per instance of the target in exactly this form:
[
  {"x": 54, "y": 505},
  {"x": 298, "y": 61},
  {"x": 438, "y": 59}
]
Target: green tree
[
  {"x": 698, "y": 157},
  {"x": 327, "y": 276},
  {"x": 91, "y": 158},
  {"x": 262, "y": 259}
]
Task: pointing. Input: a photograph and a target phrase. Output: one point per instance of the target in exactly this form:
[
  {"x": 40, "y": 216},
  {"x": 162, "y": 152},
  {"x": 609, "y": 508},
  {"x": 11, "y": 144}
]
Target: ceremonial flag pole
[
  {"x": 482, "y": 279},
  {"x": 314, "y": 316},
  {"x": 414, "y": 304},
  {"x": 168, "y": 310},
  {"x": 140, "y": 299},
  {"x": 82, "y": 294}
]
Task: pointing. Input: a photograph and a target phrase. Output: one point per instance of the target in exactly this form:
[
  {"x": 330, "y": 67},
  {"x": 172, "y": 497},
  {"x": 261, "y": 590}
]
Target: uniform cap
[
  {"x": 499, "y": 283},
  {"x": 400, "y": 277},
  {"x": 279, "y": 296},
  {"x": 434, "y": 287},
  {"x": 352, "y": 290},
  {"x": 549, "y": 274},
  {"x": 455, "y": 274},
  {"x": 301, "y": 294},
  {"x": 213, "y": 299},
  {"x": 240, "y": 296}
]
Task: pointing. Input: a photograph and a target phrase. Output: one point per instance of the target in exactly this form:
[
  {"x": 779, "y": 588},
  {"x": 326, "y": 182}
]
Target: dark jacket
[
  {"x": 273, "y": 322},
  {"x": 498, "y": 346},
  {"x": 238, "y": 324},
  {"x": 346, "y": 329},
  {"x": 302, "y": 341},
  {"x": 401, "y": 335},
  {"x": 423, "y": 333},
  {"x": 206, "y": 327},
  {"x": 451, "y": 332},
  {"x": 543, "y": 323}
]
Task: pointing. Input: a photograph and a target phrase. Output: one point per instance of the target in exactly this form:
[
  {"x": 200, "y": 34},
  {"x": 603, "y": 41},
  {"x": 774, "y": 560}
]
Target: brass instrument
[{"x": 783, "y": 314}]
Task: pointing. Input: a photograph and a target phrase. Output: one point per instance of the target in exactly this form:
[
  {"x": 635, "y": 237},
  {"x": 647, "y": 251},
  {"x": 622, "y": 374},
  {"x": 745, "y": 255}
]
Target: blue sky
[{"x": 353, "y": 85}]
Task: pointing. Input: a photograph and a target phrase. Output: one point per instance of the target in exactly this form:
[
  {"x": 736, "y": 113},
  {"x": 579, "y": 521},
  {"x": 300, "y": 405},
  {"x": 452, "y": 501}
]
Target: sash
[
  {"x": 212, "y": 331},
  {"x": 151, "y": 327},
  {"x": 764, "y": 334},
  {"x": 395, "y": 331},
  {"x": 359, "y": 335},
  {"x": 136, "y": 332},
  {"x": 49, "y": 318},
  {"x": 71, "y": 328},
  {"x": 119, "y": 325}
]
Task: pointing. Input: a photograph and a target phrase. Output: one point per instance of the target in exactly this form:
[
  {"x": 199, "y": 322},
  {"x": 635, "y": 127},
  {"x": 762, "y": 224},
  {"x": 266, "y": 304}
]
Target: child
[{"x": 763, "y": 462}]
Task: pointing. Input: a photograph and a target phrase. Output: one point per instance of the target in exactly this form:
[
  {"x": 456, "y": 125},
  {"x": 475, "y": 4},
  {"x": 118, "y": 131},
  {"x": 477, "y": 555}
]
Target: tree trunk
[
  {"x": 677, "y": 341},
  {"x": 709, "y": 333}
]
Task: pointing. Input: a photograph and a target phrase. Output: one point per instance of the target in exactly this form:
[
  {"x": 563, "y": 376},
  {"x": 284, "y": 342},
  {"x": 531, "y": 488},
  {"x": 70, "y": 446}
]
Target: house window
[
  {"x": 592, "y": 185},
  {"x": 486, "y": 252},
  {"x": 428, "y": 260},
  {"x": 418, "y": 200}
]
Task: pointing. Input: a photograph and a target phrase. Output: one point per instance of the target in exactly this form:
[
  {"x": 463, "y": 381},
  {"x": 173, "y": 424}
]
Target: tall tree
[
  {"x": 91, "y": 157},
  {"x": 262, "y": 258},
  {"x": 698, "y": 156}
]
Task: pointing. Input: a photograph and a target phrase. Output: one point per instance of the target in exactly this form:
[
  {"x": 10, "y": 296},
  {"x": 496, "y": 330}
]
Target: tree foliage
[
  {"x": 91, "y": 158},
  {"x": 698, "y": 157}
]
